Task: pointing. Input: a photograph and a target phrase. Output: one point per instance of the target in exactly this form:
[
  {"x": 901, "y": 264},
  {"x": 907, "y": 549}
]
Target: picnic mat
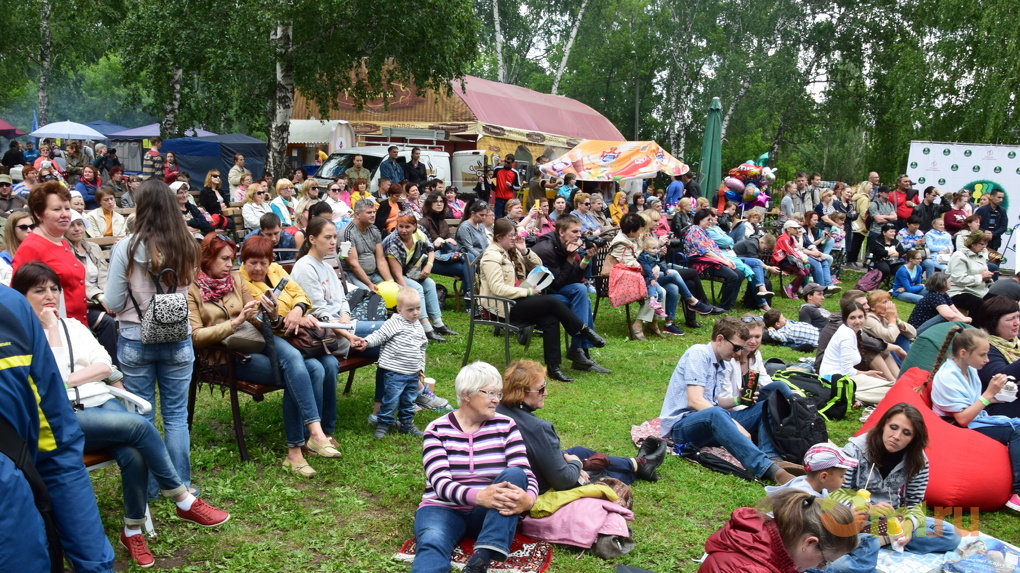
[
  {"x": 653, "y": 428},
  {"x": 526, "y": 555},
  {"x": 980, "y": 554}
]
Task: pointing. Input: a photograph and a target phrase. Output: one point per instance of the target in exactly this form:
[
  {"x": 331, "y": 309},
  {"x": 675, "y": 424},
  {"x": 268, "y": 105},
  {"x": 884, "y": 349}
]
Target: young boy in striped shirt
[{"x": 402, "y": 361}]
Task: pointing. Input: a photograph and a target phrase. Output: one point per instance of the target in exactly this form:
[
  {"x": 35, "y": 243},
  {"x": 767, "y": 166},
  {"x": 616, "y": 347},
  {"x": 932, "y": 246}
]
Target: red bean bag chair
[{"x": 966, "y": 469}]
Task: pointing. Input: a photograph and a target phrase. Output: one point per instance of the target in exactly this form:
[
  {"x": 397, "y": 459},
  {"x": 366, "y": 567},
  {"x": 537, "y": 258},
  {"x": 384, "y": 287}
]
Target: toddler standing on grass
[{"x": 402, "y": 361}]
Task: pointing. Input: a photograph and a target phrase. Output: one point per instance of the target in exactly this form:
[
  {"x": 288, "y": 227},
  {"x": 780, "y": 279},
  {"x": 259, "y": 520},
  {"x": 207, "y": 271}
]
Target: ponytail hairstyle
[
  {"x": 313, "y": 229},
  {"x": 798, "y": 514}
]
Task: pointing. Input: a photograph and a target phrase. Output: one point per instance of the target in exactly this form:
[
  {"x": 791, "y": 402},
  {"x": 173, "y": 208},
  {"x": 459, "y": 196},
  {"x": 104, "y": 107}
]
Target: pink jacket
[{"x": 580, "y": 522}]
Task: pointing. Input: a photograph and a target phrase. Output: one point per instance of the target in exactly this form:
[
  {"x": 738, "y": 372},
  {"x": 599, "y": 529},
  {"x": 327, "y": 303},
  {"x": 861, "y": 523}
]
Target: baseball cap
[
  {"x": 792, "y": 224},
  {"x": 4, "y": 178},
  {"x": 810, "y": 288},
  {"x": 825, "y": 456}
]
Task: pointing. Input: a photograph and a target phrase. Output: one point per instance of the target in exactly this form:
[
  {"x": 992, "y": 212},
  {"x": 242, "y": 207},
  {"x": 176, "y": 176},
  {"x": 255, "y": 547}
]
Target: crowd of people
[{"x": 182, "y": 248}]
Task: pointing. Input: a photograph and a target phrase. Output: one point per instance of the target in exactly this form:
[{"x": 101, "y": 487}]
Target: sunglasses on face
[
  {"x": 24, "y": 227},
  {"x": 541, "y": 390},
  {"x": 750, "y": 319},
  {"x": 215, "y": 176}
]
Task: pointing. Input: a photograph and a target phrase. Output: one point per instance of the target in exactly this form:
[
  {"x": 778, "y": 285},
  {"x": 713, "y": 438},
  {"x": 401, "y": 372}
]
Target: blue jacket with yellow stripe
[{"x": 33, "y": 401}]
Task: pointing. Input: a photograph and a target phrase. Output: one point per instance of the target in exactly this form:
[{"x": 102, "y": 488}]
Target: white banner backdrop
[{"x": 977, "y": 167}]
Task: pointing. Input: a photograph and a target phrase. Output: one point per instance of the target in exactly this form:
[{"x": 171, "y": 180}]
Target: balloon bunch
[{"x": 746, "y": 184}]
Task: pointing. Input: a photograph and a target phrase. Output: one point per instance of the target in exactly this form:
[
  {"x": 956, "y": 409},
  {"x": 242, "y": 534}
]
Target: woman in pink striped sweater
[{"x": 477, "y": 478}]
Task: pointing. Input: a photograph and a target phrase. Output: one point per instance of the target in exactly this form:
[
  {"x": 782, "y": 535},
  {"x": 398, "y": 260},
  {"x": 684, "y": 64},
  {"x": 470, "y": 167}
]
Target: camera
[{"x": 595, "y": 242}]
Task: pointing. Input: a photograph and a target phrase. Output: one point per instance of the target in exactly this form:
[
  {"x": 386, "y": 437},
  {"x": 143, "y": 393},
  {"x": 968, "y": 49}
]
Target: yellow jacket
[
  {"x": 291, "y": 296},
  {"x": 615, "y": 211}
]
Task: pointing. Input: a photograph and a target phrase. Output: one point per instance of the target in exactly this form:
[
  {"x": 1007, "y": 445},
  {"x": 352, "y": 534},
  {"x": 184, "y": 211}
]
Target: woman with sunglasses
[
  {"x": 582, "y": 210},
  {"x": 214, "y": 198},
  {"x": 19, "y": 224},
  {"x": 339, "y": 199},
  {"x": 256, "y": 204},
  {"x": 309, "y": 193},
  {"x": 450, "y": 261},
  {"x": 524, "y": 392}
]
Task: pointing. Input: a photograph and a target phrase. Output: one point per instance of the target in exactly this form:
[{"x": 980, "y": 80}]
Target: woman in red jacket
[
  {"x": 800, "y": 535},
  {"x": 50, "y": 204},
  {"x": 789, "y": 257}
]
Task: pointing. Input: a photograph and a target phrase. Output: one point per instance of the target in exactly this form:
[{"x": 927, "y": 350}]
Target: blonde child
[
  {"x": 649, "y": 259},
  {"x": 402, "y": 362},
  {"x": 836, "y": 245}
]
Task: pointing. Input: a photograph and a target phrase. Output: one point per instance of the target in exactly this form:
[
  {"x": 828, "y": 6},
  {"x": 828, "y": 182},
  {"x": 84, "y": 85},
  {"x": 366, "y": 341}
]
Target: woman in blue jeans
[
  {"x": 105, "y": 422},
  {"x": 462, "y": 496},
  {"x": 159, "y": 250},
  {"x": 221, "y": 302}
]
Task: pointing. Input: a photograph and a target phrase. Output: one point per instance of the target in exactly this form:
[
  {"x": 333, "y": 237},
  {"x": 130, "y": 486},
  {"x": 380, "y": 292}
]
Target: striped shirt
[
  {"x": 458, "y": 465},
  {"x": 403, "y": 345}
]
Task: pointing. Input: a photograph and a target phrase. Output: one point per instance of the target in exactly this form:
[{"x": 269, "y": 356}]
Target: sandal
[
  {"x": 636, "y": 334},
  {"x": 301, "y": 468},
  {"x": 653, "y": 329},
  {"x": 325, "y": 450}
]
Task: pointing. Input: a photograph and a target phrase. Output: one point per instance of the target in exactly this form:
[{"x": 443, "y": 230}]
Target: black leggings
[
  {"x": 968, "y": 302},
  {"x": 547, "y": 313}
]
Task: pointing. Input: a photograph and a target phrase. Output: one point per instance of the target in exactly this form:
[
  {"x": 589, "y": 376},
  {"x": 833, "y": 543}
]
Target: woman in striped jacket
[{"x": 477, "y": 478}]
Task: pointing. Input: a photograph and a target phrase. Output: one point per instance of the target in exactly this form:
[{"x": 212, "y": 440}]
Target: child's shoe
[
  {"x": 427, "y": 399},
  {"x": 409, "y": 428},
  {"x": 1014, "y": 502},
  {"x": 380, "y": 430}
]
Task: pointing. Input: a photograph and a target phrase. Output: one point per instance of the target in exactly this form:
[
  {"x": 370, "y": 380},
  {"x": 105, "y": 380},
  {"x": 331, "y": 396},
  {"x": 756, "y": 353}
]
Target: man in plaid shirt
[{"x": 789, "y": 332}]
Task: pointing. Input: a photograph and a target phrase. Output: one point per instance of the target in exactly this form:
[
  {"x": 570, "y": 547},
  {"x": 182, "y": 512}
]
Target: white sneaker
[
  {"x": 430, "y": 401},
  {"x": 867, "y": 414}
]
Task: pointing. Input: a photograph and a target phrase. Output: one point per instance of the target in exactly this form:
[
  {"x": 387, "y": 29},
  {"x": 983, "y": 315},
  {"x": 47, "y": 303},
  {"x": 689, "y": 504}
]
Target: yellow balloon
[{"x": 388, "y": 291}]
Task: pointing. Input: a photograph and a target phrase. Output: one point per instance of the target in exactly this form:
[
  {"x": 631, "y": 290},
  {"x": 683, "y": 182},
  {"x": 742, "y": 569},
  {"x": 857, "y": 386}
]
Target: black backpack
[
  {"x": 794, "y": 426},
  {"x": 715, "y": 463},
  {"x": 832, "y": 399}
]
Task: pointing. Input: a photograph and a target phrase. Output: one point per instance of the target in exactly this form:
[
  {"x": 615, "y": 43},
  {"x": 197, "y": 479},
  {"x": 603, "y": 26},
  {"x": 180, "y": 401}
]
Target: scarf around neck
[
  {"x": 1010, "y": 349},
  {"x": 214, "y": 289}
]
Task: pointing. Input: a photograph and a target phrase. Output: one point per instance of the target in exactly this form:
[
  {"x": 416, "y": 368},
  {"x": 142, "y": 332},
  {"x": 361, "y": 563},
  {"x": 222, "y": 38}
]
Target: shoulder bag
[
  {"x": 246, "y": 338},
  {"x": 626, "y": 284}
]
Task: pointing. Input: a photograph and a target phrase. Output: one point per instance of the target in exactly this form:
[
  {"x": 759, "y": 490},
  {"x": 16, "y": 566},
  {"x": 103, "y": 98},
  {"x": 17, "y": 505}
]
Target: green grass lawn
[{"x": 355, "y": 514}]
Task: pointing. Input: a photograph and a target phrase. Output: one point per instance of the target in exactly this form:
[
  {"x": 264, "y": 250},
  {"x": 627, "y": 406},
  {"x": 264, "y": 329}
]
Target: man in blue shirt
[
  {"x": 390, "y": 169},
  {"x": 674, "y": 191},
  {"x": 691, "y": 413},
  {"x": 271, "y": 228},
  {"x": 34, "y": 404},
  {"x": 30, "y": 153}
]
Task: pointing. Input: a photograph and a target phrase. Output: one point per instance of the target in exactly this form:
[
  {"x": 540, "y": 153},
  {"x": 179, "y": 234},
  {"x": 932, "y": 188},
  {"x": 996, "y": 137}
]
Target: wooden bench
[{"x": 211, "y": 374}]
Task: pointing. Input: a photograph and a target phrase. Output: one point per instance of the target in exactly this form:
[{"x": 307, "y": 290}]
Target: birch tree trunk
[
  {"x": 733, "y": 105},
  {"x": 500, "y": 64},
  {"x": 45, "y": 61},
  {"x": 279, "y": 129},
  {"x": 566, "y": 49},
  {"x": 168, "y": 126}
]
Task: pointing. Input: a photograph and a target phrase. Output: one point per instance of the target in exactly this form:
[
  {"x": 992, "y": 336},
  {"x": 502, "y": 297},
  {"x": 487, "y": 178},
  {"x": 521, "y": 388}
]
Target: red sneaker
[
  {"x": 203, "y": 514},
  {"x": 138, "y": 549}
]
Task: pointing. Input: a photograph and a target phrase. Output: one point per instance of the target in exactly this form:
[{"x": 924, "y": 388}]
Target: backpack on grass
[
  {"x": 794, "y": 425},
  {"x": 832, "y": 398},
  {"x": 869, "y": 281}
]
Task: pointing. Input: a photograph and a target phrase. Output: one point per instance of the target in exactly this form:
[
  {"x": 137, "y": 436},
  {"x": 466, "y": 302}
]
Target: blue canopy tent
[
  {"x": 105, "y": 127},
  {"x": 199, "y": 155}
]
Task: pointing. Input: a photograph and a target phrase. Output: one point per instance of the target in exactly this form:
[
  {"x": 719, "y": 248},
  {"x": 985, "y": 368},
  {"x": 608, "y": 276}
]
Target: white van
[{"x": 437, "y": 163}]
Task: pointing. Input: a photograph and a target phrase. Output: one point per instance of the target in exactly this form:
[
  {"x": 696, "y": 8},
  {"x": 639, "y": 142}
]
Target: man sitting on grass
[
  {"x": 792, "y": 333},
  {"x": 811, "y": 311},
  {"x": 691, "y": 415}
]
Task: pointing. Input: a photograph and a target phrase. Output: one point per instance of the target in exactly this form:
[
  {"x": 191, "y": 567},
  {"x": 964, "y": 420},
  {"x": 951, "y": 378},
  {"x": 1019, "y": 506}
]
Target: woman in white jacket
[
  {"x": 255, "y": 205},
  {"x": 843, "y": 354}
]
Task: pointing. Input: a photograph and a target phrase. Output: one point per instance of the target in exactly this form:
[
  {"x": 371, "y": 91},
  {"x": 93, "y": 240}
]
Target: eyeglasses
[
  {"x": 541, "y": 390},
  {"x": 334, "y": 189},
  {"x": 736, "y": 347},
  {"x": 492, "y": 395},
  {"x": 262, "y": 193},
  {"x": 586, "y": 203},
  {"x": 25, "y": 227},
  {"x": 215, "y": 176},
  {"x": 750, "y": 319}
]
